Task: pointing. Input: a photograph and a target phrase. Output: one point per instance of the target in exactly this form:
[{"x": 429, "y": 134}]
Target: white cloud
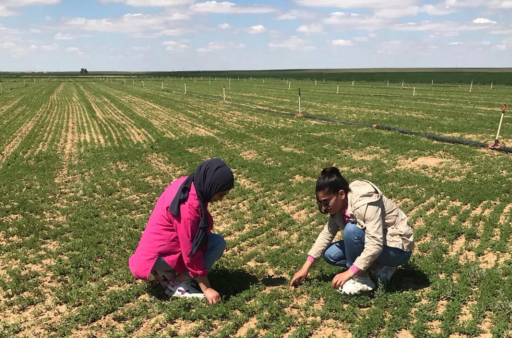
[
  {"x": 4, "y": 11},
  {"x": 153, "y": 3},
  {"x": 213, "y": 46},
  {"x": 456, "y": 43},
  {"x": 394, "y": 13},
  {"x": 50, "y": 47},
  {"x": 48, "y": 18},
  {"x": 229, "y": 7},
  {"x": 224, "y": 26},
  {"x": 21, "y": 3},
  {"x": 61, "y": 36},
  {"x": 293, "y": 43},
  {"x": 445, "y": 26},
  {"x": 297, "y": 14},
  {"x": 311, "y": 28},
  {"x": 480, "y": 3},
  {"x": 173, "y": 32},
  {"x": 73, "y": 49},
  {"x": 256, "y": 29},
  {"x": 36, "y": 31},
  {"x": 438, "y": 9},
  {"x": 361, "y": 39},
  {"x": 358, "y": 3},
  {"x": 128, "y": 23},
  {"x": 141, "y": 49},
  {"x": 356, "y": 21},
  {"x": 483, "y": 21},
  {"x": 342, "y": 43},
  {"x": 501, "y": 31},
  {"x": 175, "y": 46}
]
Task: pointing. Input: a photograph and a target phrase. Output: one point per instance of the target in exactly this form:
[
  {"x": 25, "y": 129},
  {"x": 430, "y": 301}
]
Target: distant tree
[{"x": 83, "y": 71}]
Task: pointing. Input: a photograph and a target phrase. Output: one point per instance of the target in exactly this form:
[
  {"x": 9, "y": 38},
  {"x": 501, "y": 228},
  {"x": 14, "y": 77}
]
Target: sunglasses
[{"x": 325, "y": 202}]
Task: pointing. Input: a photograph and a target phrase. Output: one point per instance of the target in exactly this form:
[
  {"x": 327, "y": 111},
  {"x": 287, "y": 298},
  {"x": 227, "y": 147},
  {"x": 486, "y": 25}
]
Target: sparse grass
[{"x": 82, "y": 164}]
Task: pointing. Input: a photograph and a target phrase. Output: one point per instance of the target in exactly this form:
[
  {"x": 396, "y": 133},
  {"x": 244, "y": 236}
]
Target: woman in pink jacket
[{"x": 177, "y": 244}]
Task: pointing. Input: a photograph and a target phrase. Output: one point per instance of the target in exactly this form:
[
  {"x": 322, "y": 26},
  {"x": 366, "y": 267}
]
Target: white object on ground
[
  {"x": 183, "y": 289},
  {"x": 357, "y": 284}
]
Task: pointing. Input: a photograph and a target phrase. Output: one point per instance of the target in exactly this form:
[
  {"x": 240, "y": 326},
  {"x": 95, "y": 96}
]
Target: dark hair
[{"x": 331, "y": 181}]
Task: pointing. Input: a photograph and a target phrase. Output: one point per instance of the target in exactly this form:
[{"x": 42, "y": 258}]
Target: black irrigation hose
[{"x": 375, "y": 126}]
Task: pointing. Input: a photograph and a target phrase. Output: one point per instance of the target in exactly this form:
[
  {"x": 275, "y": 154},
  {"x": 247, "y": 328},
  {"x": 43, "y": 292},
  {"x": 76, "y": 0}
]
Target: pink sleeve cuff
[
  {"x": 311, "y": 259},
  {"x": 354, "y": 269}
]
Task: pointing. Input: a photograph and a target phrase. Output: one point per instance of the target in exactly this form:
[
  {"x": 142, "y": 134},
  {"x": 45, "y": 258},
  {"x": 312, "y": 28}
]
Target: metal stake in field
[
  {"x": 300, "y": 112},
  {"x": 185, "y": 92},
  {"x": 497, "y": 142},
  {"x": 224, "y": 93},
  {"x": 471, "y": 86}
]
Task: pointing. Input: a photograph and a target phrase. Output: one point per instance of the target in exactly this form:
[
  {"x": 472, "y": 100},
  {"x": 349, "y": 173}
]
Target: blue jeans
[
  {"x": 216, "y": 246},
  {"x": 345, "y": 252}
]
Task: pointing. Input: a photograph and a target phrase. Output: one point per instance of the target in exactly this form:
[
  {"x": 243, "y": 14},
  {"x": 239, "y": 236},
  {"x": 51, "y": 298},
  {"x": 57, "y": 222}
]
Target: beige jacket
[{"x": 384, "y": 224}]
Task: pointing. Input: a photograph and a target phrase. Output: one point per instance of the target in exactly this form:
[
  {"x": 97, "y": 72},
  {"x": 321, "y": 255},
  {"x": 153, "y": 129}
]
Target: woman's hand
[
  {"x": 299, "y": 277},
  {"x": 341, "y": 278},
  {"x": 212, "y": 296}
]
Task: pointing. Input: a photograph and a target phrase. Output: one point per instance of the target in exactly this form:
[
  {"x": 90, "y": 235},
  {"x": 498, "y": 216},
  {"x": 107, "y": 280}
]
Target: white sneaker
[
  {"x": 183, "y": 289},
  {"x": 357, "y": 284},
  {"x": 385, "y": 273},
  {"x": 162, "y": 277}
]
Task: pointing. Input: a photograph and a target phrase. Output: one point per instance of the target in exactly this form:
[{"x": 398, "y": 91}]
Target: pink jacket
[{"x": 171, "y": 237}]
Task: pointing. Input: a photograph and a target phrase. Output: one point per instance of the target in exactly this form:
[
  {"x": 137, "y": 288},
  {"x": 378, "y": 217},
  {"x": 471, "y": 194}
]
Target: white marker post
[
  {"x": 497, "y": 142},
  {"x": 491, "y": 85},
  {"x": 162, "y": 85},
  {"x": 337, "y": 89},
  {"x": 471, "y": 86},
  {"x": 142, "y": 84},
  {"x": 289, "y": 84},
  {"x": 353, "y": 83},
  {"x": 432, "y": 82},
  {"x": 413, "y": 92},
  {"x": 185, "y": 92},
  {"x": 263, "y": 81},
  {"x": 229, "y": 83},
  {"x": 402, "y": 84},
  {"x": 224, "y": 93}
]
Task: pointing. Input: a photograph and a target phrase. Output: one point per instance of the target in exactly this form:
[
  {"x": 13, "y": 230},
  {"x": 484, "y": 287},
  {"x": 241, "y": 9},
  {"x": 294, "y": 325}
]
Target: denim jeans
[
  {"x": 216, "y": 246},
  {"x": 345, "y": 252}
]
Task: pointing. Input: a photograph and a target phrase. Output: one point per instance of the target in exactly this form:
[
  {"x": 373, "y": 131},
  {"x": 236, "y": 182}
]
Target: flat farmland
[{"x": 83, "y": 162}]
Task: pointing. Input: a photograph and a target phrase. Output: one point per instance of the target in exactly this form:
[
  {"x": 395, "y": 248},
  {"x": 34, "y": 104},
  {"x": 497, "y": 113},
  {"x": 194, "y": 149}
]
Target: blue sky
[{"x": 151, "y": 35}]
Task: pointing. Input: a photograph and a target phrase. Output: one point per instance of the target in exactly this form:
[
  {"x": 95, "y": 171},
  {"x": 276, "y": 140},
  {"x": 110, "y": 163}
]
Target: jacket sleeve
[
  {"x": 187, "y": 230},
  {"x": 324, "y": 238},
  {"x": 372, "y": 215}
]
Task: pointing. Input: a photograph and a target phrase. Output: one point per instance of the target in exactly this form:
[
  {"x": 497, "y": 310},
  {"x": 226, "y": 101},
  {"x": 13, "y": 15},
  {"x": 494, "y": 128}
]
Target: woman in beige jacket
[{"x": 376, "y": 235}]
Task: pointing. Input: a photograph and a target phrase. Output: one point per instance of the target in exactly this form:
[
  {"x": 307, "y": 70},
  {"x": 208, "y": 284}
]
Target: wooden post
[
  {"x": 471, "y": 86},
  {"x": 300, "y": 112}
]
